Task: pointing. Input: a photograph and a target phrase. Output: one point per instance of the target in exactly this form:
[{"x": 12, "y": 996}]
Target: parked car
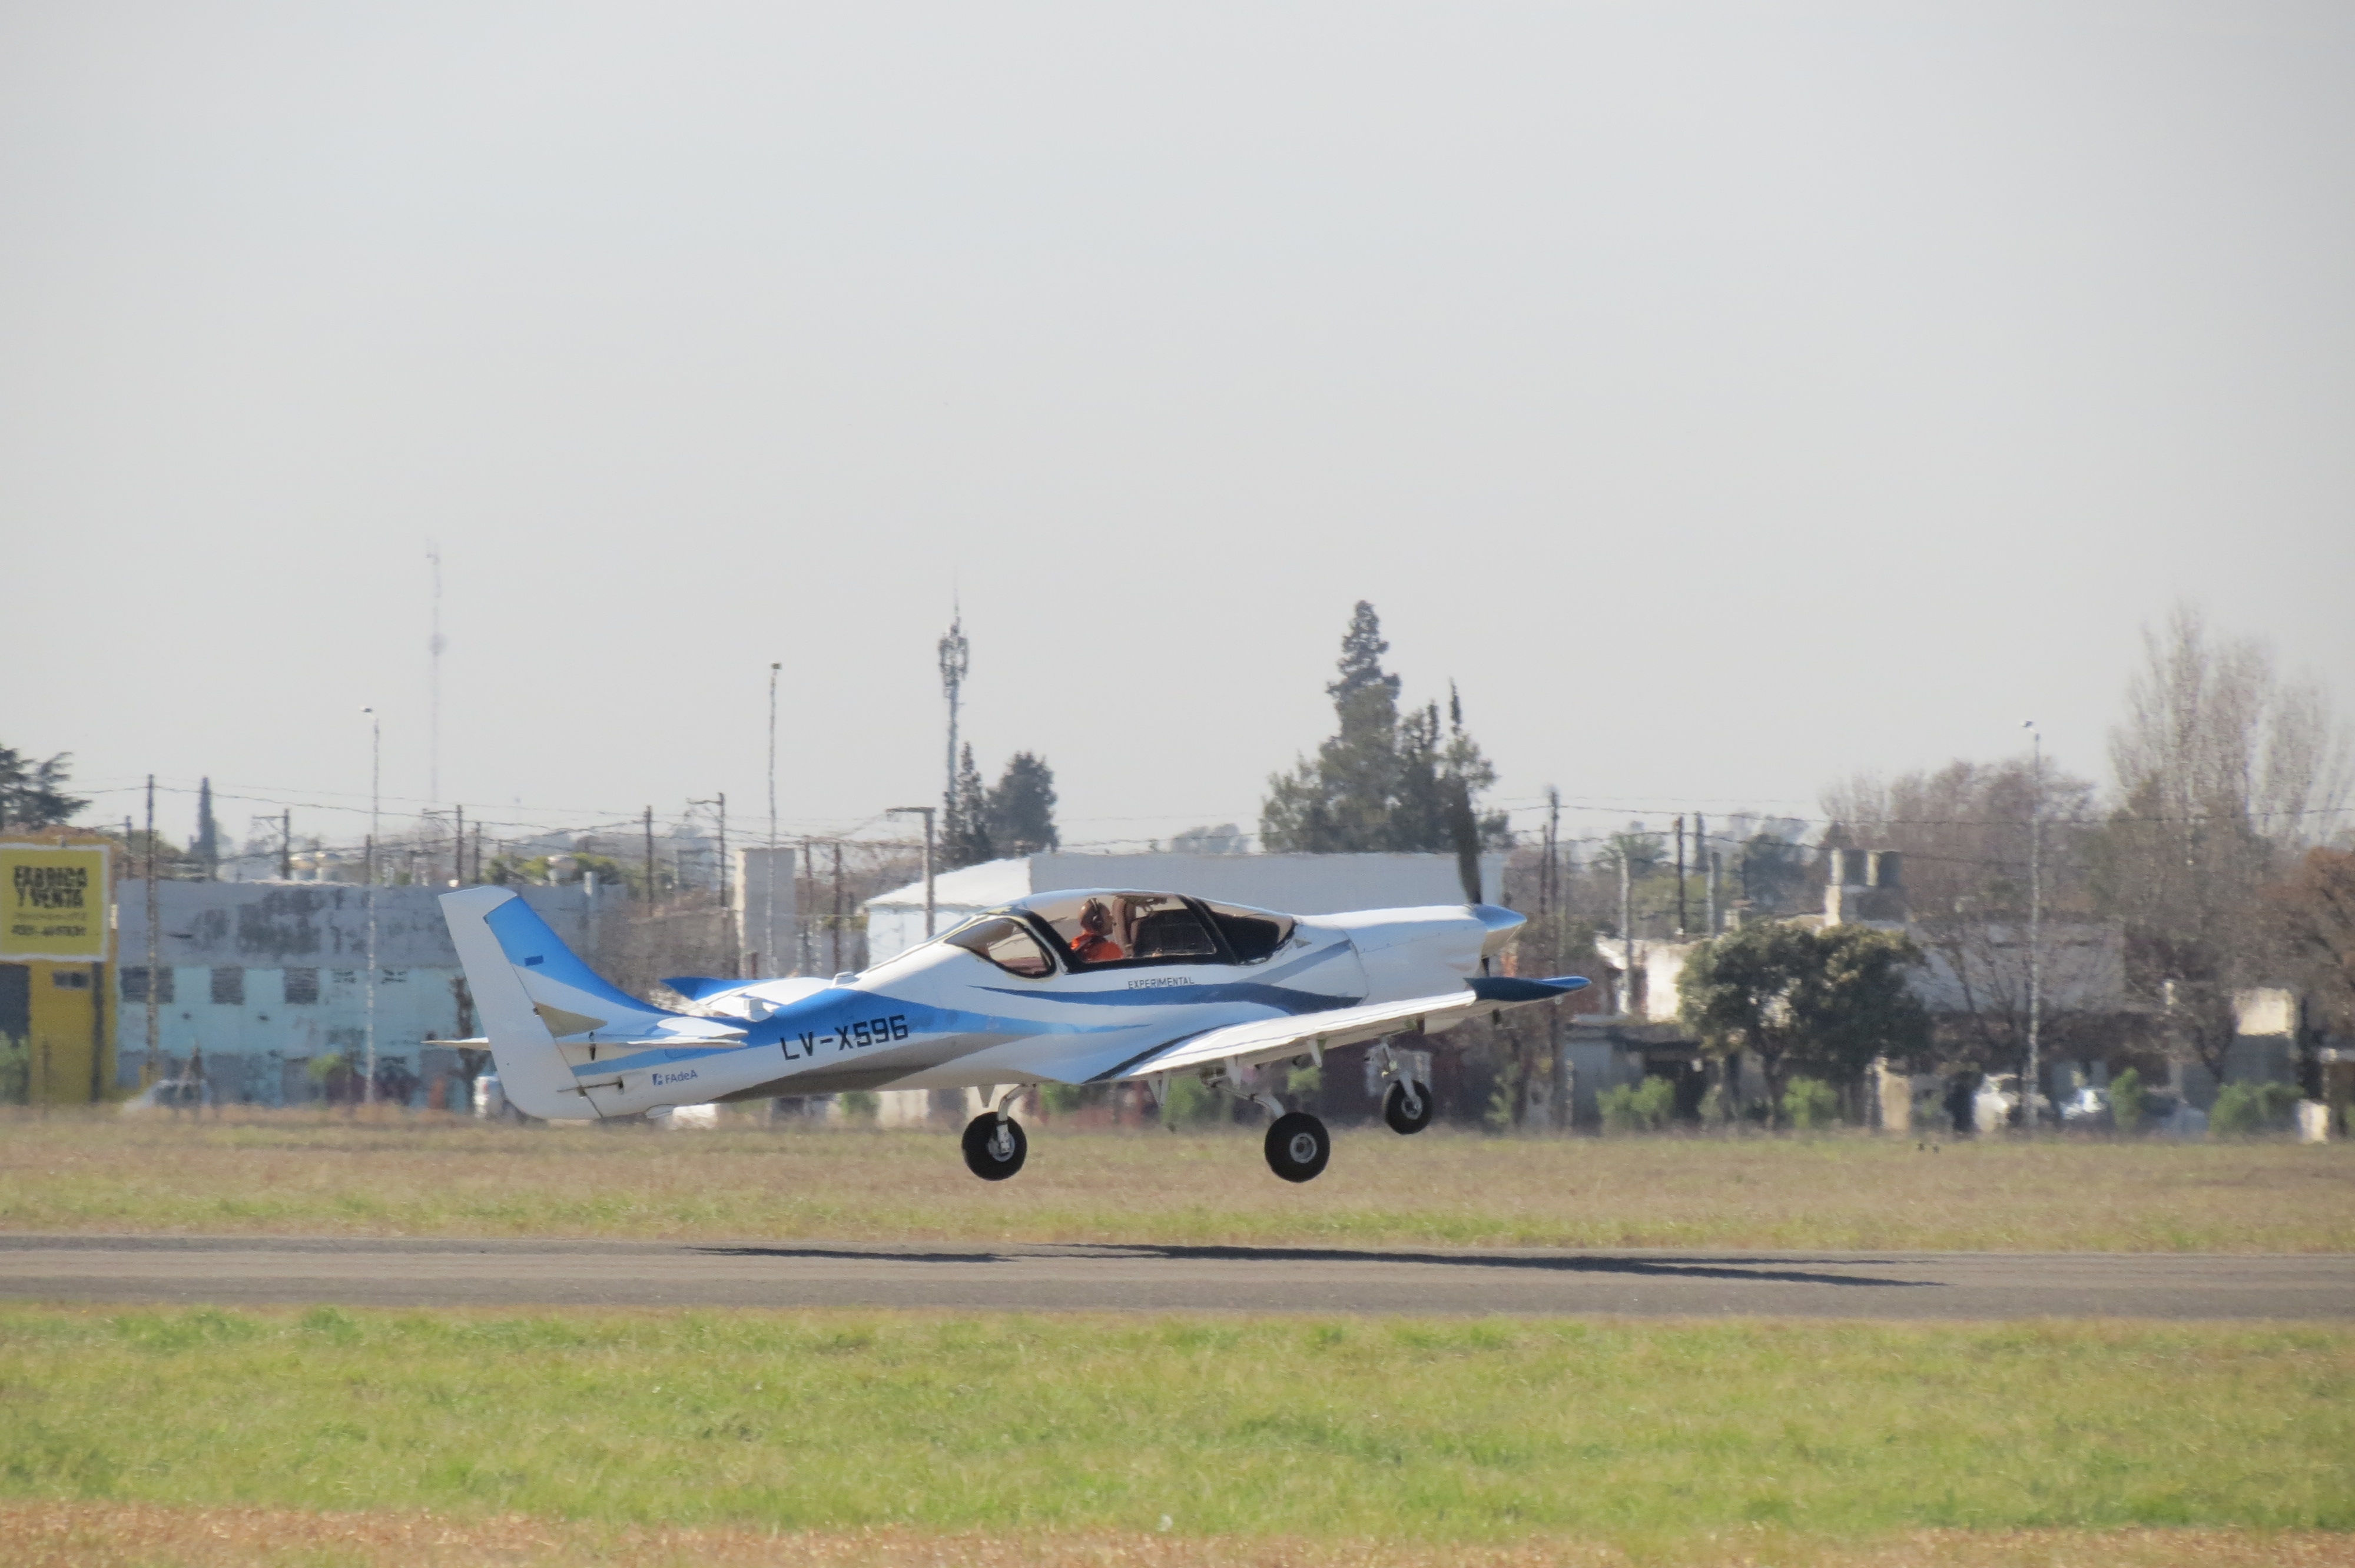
[
  {"x": 1997, "y": 1105},
  {"x": 2089, "y": 1107},
  {"x": 182, "y": 1093}
]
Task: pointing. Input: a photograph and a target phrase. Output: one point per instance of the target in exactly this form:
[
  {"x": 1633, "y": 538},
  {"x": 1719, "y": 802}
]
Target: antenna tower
[
  {"x": 956, "y": 659},
  {"x": 434, "y": 647}
]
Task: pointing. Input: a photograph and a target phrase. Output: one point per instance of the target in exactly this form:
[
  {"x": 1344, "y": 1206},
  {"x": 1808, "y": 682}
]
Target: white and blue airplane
[{"x": 1088, "y": 987}]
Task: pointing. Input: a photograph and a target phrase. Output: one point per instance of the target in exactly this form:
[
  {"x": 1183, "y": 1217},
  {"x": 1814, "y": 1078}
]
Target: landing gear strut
[
  {"x": 1298, "y": 1145},
  {"x": 1407, "y": 1107},
  {"x": 993, "y": 1146}
]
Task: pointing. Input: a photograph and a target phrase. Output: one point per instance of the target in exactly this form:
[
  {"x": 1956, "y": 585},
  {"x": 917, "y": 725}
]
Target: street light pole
[
  {"x": 769, "y": 871},
  {"x": 2035, "y": 925},
  {"x": 375, "y": 836},
  {"x": 926, "y": 812}
]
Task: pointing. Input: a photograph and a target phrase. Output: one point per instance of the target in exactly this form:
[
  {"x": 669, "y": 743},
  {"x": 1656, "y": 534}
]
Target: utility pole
[
  {"x": 926, "y": 812},
  {"x": 727, "y": 910},
  {"x": 956, "y": 660},
  {"x": 433, "y": 685},
  {"x": 154, "y": 934},
  {"x": 1708, "y": 875},
  {"x": 1680, "y": 876},
  {"x": 375, "y": 803},
  {"x": 1549, "y": 872},
  {"x": 286, "y": 849},
  {"x": 1626, "y": 931},
  {"x": 769, "y": 876},
  {"x": 2035, "y": 926},
  {"x": 838, "y": 906},
  {"x": 650, "y": 857},
  {"x": 805, "y": 898},
  {"x": 1565, "y": 1105},
  {"x": 458, "y": 852}
]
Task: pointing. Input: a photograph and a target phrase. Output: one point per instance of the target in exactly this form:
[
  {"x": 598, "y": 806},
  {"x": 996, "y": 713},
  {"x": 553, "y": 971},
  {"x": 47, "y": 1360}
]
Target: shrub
[
  {"x": 15, "y": 1070},
  {"x": 1643, "y": 1107},
  {"x": 859, "y": 1105},
  {"x": 2237, "y": 1112},
  {"x": 2279, "y": 1103},
  {"x": 2129, "y": 1100},
  {"x": 2243, "y": 1109},
  {"x": 1059, "y": 1099},
  {"x": 1809, "y": 1104}
]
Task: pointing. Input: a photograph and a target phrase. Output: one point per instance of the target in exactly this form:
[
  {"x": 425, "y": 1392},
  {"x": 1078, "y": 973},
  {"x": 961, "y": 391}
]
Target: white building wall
[{"x": 762, "y": 891}]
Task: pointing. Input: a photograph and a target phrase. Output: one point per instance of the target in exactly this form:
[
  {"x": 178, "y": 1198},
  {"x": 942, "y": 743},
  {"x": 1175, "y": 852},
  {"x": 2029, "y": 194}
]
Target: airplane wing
[{"x": 1270, "y": 1039}]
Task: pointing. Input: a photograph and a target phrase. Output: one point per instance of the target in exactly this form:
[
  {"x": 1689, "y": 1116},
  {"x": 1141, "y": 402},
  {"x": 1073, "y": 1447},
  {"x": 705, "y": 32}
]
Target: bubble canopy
[{"x": 1090, "y": 929}]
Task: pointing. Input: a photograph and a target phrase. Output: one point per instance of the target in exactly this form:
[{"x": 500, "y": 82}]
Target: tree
[
  {"x": 965, "y": 827},
  {"x": 2223, "y": 771},
  {"x": 1382, "y": 781},
  {"x": 1963, "y": 829},
  {"x": 32, "y": 794},
  {"x": 1020, "y": 819},
  {"x": 2314, "y": 913},
  {"x": 207, "y": 848},
  {"x": 1824, "y": 1001}
]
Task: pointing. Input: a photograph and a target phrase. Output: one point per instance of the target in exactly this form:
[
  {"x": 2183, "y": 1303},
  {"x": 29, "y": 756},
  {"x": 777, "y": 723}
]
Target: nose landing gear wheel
[
  {"x": 1407, "y": 1109},
  {"x": 993, "y": 1150},
  {"x": 1298, "y": 1145}
]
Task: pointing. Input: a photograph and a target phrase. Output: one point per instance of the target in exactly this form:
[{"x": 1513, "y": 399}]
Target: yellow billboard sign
[{"x": 53, "y": 902}]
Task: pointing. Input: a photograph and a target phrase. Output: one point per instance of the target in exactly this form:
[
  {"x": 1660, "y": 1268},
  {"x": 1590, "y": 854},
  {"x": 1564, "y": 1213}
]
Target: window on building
[
  {"x": 302, "y": 987},
  {"x": 229, "y": 986},
  {"x": 70, "y": 979},
  {"x": 134, "y": 984}
]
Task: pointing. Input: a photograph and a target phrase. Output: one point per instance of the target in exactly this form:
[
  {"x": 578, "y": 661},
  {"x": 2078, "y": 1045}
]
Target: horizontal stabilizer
[{"x": 1510, "y": 988}]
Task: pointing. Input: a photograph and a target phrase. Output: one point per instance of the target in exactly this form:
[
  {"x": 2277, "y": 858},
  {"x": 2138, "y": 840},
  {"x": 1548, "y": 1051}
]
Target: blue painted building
[{"x": 265, "y": 979}]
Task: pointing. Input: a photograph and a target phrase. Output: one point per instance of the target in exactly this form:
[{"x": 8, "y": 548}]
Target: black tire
[
  {"x": 1298, "y": 1145},
  {"x": 1396, "y": 1111},
  {"x": 986, "y": 1155}
]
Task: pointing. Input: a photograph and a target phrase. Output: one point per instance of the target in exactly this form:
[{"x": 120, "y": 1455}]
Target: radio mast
[
  {"x": 433, "y": 646},
  {"x": 955, "y": 661}
]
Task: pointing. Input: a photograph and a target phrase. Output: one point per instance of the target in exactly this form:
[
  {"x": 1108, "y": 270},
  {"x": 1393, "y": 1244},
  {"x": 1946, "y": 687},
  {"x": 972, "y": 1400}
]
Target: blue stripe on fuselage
[{"x": 831, "y": 1021}]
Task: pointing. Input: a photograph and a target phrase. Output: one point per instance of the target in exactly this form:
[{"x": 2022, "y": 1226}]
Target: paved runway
[{"x": 247, "y": 1270}]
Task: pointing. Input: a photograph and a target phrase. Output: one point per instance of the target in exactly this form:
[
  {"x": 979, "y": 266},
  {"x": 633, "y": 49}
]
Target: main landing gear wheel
[
  {"x": 993, "y": 1150},
  {"x": 1298, "y": 1145},
  {"x": 1407, "y": 1107}
]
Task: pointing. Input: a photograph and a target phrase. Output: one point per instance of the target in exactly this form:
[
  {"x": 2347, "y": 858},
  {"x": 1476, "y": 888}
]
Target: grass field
[
  {"x": 106, "y": 1535},
  {"x": 1644, "y": 1437},
  {"x": 300, "y": 1172}
]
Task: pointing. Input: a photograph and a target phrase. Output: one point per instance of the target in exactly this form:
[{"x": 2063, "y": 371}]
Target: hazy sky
[{"x": 1729, "y": 399}]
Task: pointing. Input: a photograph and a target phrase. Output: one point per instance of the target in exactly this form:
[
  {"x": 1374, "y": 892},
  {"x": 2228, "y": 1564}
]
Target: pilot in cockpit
[{"x": 1095, "y": 944}]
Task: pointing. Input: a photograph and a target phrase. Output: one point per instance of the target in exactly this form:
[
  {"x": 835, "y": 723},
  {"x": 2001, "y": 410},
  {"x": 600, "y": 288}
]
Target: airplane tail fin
[{"x": 529, "y": 988}]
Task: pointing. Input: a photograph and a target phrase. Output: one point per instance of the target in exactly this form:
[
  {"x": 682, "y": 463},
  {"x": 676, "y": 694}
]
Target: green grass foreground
[
  {"x": 296, "y": 1172},
  {"x": 1481, "y": 1431}
]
